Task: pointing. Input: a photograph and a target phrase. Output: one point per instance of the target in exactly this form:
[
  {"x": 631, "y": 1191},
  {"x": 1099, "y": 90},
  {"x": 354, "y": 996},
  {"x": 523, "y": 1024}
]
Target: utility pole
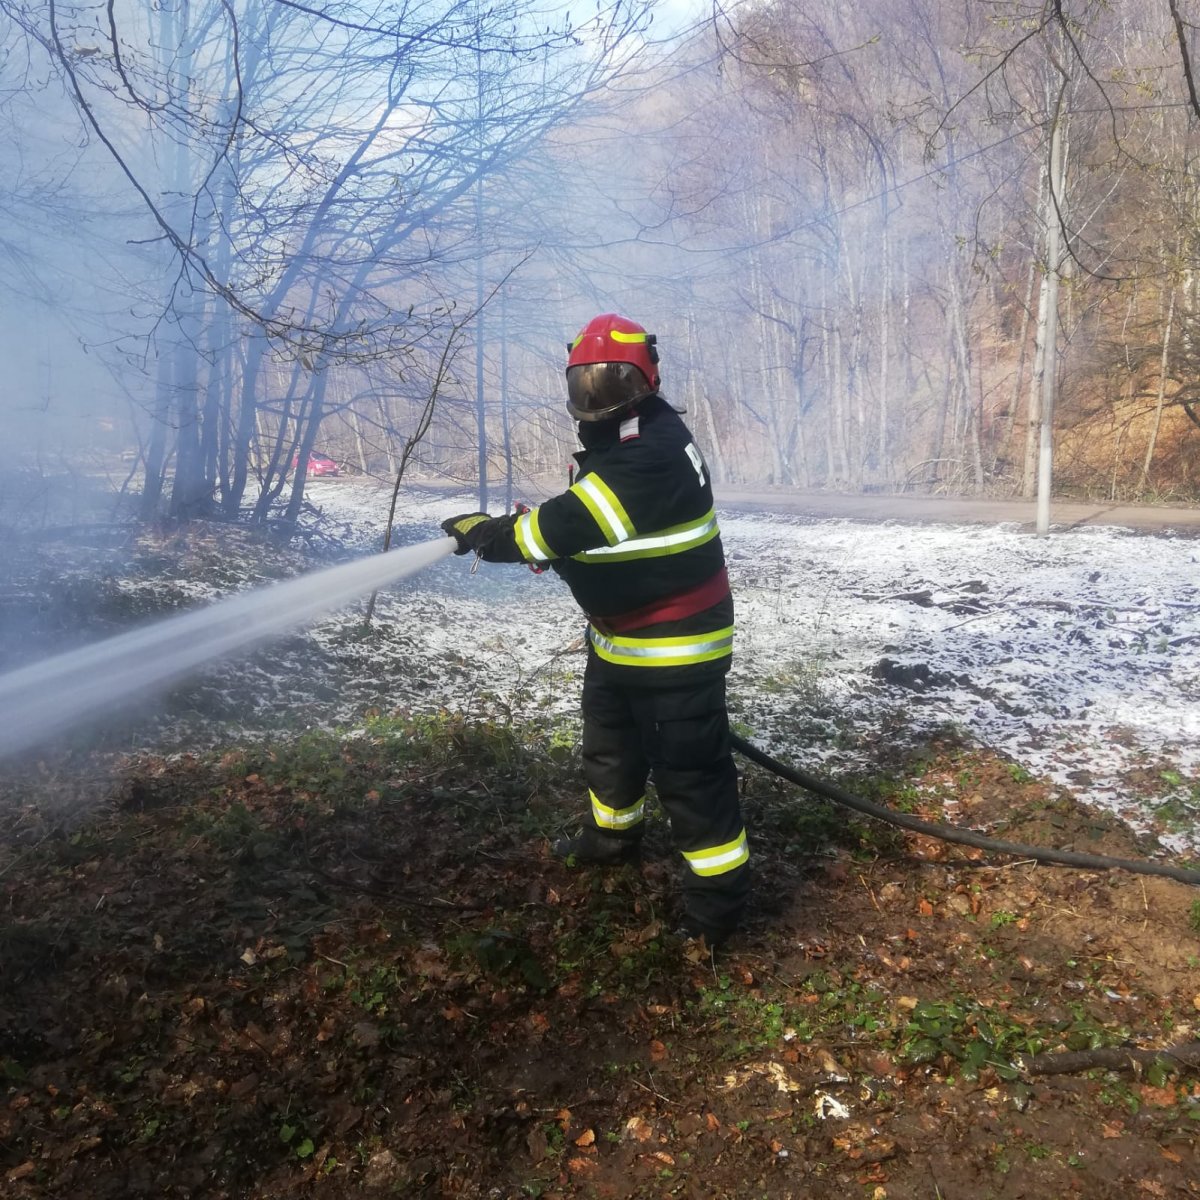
[
  {"x": 1054, "y": 211},
  {"x": 480, "y": 403}
]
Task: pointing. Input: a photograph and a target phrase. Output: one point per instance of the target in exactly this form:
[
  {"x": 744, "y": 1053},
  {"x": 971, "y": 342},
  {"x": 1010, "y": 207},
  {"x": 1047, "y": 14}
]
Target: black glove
[{"x": 460, "y": 528}]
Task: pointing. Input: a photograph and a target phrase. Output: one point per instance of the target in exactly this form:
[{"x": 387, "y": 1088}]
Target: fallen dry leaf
[
  {"x": 586, "y": 1138},
  {"x": 771, "y": 1070},
  {"x": 639, "y": 1128},
  {"x": 831, "y": 1066},
  {"x": 536, "y": 1143}
]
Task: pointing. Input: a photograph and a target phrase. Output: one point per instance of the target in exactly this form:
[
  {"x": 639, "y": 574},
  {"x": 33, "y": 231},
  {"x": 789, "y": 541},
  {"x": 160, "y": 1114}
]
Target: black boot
[
  {"x": 592, "y": 848},
  {"x": 691, "y": 932}
]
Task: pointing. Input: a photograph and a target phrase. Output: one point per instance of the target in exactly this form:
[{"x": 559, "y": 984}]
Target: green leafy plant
[
  {"x": 967, "y": 1034},
  {"x": 302, "y": 1148}
]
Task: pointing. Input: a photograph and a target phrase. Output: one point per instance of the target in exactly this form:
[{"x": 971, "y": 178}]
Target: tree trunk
[
  {"x": 698, "y": 401},
  {"x": 1050, "y": 339},
  {"x": 882, "y": 468},
  {"x": 1162, "y": 390},
  {"x": 157, "y": 452},
  {"x": 1034, "y": 416},
  {"x": 1004, "y": 445},
  {"x": 963, "y": 371}
]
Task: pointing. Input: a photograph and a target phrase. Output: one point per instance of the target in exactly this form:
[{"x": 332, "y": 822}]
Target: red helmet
[{"x": 611, "y": 365}]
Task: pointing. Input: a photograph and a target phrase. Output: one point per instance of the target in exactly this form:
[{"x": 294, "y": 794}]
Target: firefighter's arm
[{"x": 586, "y": 516}]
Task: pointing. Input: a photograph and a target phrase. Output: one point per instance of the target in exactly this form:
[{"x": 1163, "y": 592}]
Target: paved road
[
  {"x": 950, "y": 510},
  {"x": 959, "y": 509}
]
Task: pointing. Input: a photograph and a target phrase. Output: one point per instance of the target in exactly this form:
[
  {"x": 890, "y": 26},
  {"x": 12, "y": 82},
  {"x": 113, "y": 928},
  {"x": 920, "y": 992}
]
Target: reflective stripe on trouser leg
[
  {"x": 614, "y": 764},
  {"x": 718, "y": 860},
  {"x": 616, "y": 819}
]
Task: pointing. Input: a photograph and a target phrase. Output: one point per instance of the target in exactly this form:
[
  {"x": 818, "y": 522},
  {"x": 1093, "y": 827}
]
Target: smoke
[{"x": 46, "y": 698}]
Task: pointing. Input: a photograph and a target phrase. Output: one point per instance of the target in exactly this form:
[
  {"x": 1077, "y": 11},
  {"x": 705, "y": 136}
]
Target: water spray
[{"x": 48, "y": 697}]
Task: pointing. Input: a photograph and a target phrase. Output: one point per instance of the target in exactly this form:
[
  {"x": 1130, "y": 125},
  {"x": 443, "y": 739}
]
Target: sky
[{"x": 675, "y": 16}]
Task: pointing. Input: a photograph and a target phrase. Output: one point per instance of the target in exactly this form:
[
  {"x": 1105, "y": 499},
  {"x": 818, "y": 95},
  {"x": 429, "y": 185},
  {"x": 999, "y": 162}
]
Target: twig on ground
[{"x": 1110, "y": 1058}]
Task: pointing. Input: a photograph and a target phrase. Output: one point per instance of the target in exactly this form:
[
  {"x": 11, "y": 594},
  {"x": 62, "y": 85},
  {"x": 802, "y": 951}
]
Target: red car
[{"x": 318, "y": 464}]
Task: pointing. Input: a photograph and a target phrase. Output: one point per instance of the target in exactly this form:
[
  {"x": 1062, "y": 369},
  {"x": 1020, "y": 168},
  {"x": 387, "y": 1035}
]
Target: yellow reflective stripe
[
  {"x": 616, "y": 818},
  {"x": 575, "y": 343},
  {"x": 528, "y": 532},
  {"x": 664, "y": 651},
  {"x": 674, "y": 540},
  {"x": 607, "y": 511},
  {"x": 627, "y": 338},
  {"x": 719, "y": 859}
]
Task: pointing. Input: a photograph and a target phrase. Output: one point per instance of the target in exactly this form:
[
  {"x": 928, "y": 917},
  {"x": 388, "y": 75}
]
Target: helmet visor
[{"x": 599, "y": 390}]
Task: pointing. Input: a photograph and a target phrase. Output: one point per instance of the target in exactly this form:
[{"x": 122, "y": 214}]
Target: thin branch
[{"x": 1181, "y": 36}]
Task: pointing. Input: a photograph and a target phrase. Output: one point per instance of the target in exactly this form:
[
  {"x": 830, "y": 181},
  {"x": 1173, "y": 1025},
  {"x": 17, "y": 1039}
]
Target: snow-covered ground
[{"x": 1076, "y": 655}]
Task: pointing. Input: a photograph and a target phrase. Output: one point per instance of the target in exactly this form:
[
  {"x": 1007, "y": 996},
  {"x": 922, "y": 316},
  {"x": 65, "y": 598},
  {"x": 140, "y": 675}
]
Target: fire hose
[{"x": 956, "y": 833}]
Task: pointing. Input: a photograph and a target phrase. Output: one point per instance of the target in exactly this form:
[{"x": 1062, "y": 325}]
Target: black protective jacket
[{"x": 635, "y": 538}]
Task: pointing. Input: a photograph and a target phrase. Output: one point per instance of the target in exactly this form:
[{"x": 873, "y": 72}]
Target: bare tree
[{"x": 308, "y": 168}]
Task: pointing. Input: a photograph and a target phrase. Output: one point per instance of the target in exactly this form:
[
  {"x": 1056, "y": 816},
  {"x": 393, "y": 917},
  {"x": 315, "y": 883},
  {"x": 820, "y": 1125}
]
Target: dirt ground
[{"x": 349, "y": 968}]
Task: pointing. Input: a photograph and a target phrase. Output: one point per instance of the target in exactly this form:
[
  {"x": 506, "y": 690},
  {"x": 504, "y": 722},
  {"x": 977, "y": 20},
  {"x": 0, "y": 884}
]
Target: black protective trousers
[{"x": 679, "y": 737}]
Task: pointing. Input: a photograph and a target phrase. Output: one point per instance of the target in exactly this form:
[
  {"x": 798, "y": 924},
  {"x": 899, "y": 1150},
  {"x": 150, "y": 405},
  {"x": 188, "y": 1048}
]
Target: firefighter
[{"x": 635, "y": 538}]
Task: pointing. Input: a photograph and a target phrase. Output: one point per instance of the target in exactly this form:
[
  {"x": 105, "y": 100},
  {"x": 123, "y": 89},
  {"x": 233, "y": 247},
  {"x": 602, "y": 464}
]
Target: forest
[
  {"x": 882, "y": 245},
  {"x": 278, "y": 911}
]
